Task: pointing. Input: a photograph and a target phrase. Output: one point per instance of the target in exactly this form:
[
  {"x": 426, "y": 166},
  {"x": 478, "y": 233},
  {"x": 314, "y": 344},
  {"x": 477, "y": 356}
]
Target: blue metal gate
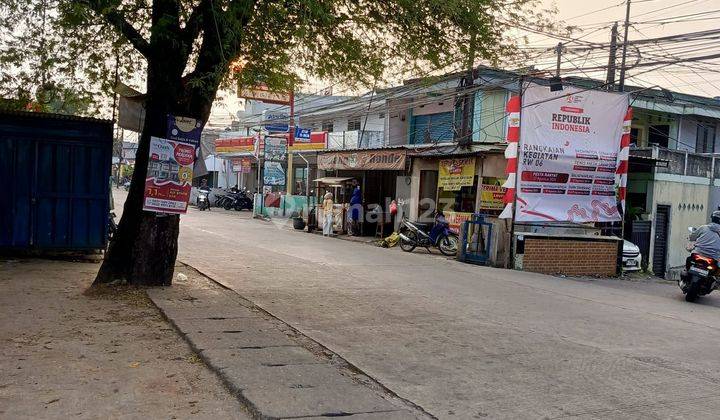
[
  {"x": 476, "y": 240},
  {"x": 57, "y": 170}
]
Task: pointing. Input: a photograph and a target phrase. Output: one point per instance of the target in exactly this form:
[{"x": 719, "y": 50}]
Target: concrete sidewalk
[
  {"x": 101, "y": 354},
  {"x": 274, "y": 370}
]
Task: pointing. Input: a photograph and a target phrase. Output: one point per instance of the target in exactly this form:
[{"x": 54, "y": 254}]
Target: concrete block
[
  {"x": 325, "y": 400},
  {"x": 377, "y": 415},
  {"x": 265, "y": 356},
  {"x": 239, "y": 339},
  {"x": 217, "y": 324}
]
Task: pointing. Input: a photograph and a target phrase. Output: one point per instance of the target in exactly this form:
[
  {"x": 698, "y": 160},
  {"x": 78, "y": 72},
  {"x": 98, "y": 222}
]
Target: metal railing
[{"x": 355, "y": 139}]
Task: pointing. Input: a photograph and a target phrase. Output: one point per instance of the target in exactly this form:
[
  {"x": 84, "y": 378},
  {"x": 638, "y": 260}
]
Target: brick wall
[{"x": 570, "y": 257}]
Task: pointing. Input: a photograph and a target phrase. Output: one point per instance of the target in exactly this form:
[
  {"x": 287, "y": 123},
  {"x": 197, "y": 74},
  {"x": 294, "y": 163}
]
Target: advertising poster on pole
[
  {"x": 245, "y": 165},
  {"x": 275, "y": 149},
  {"x": 492, "y": 193},
  {"x": 184, "y": 129},
  {"x": 568, "y": 156},
  {"x": 273, "y": 173},
  {"x": 456, "y": 173},
  {"x": 236, "y": 165},
  {"x": 169, "y": 177}
]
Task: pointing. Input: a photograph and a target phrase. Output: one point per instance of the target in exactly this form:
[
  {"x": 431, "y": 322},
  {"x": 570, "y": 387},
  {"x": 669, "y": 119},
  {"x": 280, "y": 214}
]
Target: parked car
[{"x": 632, "y": 260}]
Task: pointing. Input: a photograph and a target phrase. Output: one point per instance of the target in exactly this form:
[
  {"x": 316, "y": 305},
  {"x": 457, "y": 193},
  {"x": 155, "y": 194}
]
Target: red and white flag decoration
[
  {"x": 511, "y": 155},
  {"x": 623, "y": 156}
]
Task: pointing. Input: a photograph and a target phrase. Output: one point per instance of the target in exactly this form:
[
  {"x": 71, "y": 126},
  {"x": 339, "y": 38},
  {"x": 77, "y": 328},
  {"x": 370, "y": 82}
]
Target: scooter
[
  {"x": 438, "y": 235},
  {"x": 700, "y": 275},
  {"x": 112, "y": 226},
  {"x": 203, "y": 199}
]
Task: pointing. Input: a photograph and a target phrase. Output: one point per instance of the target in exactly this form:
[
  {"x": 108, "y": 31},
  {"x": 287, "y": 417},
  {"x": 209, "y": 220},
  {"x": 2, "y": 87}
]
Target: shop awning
[
  {"x": 331, "y": 180},
  {"x": 435, "y": 151},
  {"x": 390, "y": 158}
]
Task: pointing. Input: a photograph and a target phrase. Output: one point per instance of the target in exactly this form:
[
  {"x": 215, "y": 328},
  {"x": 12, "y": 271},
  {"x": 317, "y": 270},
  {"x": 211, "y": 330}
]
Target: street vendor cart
[{"x": 339, "y": 188}]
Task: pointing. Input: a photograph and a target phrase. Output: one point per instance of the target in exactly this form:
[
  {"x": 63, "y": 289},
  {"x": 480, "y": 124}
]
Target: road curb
[{"x": 267, "y": 365}]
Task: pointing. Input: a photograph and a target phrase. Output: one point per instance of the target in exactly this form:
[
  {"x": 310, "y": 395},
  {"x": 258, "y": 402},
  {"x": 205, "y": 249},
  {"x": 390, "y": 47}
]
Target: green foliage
[
  {"x": 42, "y": 66},
  {"x": 76, "y": 44}
]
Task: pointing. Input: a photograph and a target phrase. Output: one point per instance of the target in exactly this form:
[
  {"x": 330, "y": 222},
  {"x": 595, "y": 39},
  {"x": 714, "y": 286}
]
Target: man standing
[{"x": 356, "y": 208}]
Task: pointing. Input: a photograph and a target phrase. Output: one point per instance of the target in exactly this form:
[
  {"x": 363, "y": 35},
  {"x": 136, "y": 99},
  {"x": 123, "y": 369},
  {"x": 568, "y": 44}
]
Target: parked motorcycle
[
  {"x": 235, "y": 199},
  {"x": 437, "y": 234},
  {"x": 203, "y": 199},
  {"x": 222, "y": 199},
  {"x": 699, "y": 277}
]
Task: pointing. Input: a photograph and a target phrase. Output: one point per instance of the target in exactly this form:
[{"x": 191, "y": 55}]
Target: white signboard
[{"x": 569, "y": 145}]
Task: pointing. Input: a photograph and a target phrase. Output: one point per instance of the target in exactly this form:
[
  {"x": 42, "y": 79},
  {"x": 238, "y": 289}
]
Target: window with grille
[{"x": 705, "y": 141}]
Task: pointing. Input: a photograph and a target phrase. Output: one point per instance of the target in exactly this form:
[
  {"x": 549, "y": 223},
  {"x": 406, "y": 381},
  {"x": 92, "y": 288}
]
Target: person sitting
[{"x": 707, "y": 238}]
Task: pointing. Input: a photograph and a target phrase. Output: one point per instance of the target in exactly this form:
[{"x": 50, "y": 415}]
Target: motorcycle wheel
[
  {"x": 692, "y": 293},
  {"x": 238, "y": 206},
  {"x": 408, "y": 246},
  {"x": 449, "y": 245},
  {"x": 227, "y": 205}
]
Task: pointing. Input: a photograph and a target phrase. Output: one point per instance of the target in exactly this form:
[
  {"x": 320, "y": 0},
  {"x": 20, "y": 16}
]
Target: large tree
[{"x": 189, "y": 48}]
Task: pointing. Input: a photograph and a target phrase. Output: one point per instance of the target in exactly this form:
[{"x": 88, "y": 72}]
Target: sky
[{"x": 649, "y": 19}]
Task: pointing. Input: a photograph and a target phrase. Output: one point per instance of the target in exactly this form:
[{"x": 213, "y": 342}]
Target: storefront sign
[
  {"x": 315, "y": 141},
  {"x": 263, "y": 94},
  {"x": 169, "y": 176},
  {"x": 275, "y": 122},
  {"x": 370, "y": 160},
  {"x": 235, "y": 145},
  {"x": 302, "y": 133},
  {"x": 568, "y": 155},
  {"x": 273, "y": 173},
  {"x": 456, "y": 173},
  {"x": 275, "y": 149},
  {"x": 456, "y": 219},
  {"x": 184, "y": 129},
  {"x": 492, "y": 193}
]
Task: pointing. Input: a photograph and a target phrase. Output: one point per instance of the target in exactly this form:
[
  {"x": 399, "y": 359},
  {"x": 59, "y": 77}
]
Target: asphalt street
[{"x": 463, "y": 341}]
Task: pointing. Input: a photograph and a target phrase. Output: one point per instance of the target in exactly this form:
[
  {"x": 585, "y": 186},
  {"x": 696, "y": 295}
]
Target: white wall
[
  {"x": 397, "y": 122},
  {"x": 675, "y": 194}
]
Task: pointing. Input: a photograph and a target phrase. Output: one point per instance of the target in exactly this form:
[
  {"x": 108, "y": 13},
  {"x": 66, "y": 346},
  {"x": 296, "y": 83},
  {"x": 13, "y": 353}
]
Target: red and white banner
[
  {"x": 169, "y": 176},
  {"x": 511, "y": 154},
  {"x": 568, "y": 155}
]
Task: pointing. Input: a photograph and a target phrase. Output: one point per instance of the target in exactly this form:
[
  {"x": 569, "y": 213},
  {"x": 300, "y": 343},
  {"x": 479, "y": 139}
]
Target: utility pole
[
  {"x": 558, "y": 50},
  {"x": 467, "y": 82},
  {"x": 289, "y": 176},
  {"x": 610, "y": 82},
  {"x": 621, "y": 87},
  {"x": 556, "y": 82}
]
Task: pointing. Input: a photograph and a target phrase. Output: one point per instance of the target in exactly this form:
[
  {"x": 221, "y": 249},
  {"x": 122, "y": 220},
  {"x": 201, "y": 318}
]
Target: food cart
[{"x": 340, "y": 189}]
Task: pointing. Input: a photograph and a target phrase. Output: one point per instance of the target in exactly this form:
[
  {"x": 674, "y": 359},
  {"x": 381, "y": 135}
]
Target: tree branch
[
  {"x": 194, "y": 23},
  {"x": 118, "y": 21}
]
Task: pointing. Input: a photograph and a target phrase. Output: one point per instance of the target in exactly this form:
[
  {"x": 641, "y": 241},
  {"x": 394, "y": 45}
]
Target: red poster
[{"x": 169, "y": 178}]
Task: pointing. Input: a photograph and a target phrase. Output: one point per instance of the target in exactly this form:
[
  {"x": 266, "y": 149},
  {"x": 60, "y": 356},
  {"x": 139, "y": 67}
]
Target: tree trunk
[{"x": 144, "y": 249}]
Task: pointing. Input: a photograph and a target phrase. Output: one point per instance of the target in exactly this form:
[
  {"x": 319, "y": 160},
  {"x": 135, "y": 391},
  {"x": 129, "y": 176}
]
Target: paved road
[{"x": 463, "y": 341}]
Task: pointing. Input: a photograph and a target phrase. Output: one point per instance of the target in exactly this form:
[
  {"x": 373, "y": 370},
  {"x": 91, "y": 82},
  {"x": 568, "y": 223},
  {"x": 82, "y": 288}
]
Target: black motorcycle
[
  {"x": 698, "y": 279},
  {"x": 238, "y": 200},
  {"x": 437, "y": 234},
  {"x": 700, "y": 275}
]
